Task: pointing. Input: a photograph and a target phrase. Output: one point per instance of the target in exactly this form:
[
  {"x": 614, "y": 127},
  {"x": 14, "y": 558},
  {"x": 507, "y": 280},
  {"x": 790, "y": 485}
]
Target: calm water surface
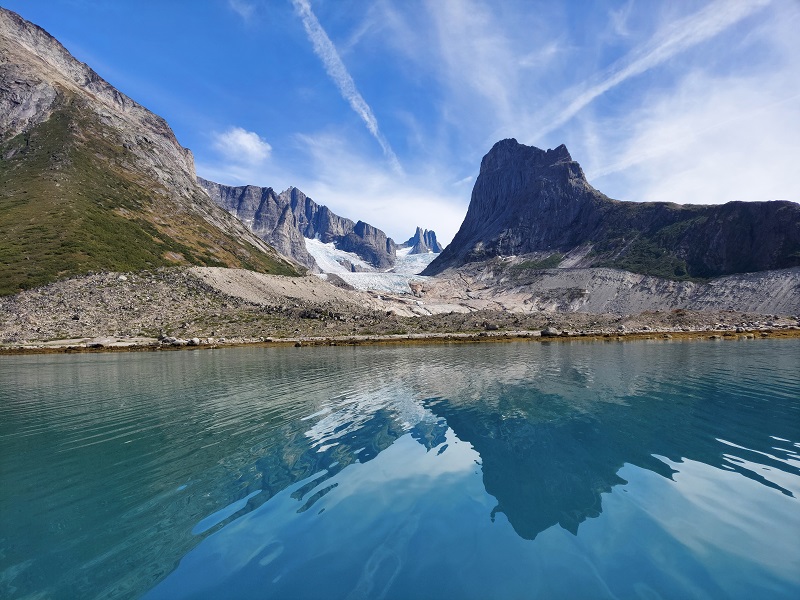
[{"x": 520, "y": 470}]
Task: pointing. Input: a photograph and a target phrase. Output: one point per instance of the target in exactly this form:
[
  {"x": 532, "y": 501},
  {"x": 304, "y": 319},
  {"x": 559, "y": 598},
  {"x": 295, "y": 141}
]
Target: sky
[{"x": 383, "y": 109}]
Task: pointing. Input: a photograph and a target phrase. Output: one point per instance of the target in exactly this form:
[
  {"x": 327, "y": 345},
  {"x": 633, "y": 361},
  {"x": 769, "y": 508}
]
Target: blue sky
[{"x": 383, "y": 109}]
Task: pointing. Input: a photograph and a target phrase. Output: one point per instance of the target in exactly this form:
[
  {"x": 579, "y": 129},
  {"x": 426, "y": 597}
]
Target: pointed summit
[
  {"x": 524, "y": 200},
  {"x": 422, "y": 242}
]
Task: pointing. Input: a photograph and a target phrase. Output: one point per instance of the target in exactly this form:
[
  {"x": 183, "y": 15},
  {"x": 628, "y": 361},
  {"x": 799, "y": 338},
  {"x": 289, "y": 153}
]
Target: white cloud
[
  {"x": 242, "y": 147},
  {"x": 485, "y": 66},
  {"x": 713, "y": 141},
  {"x": 619, "y": 19},
  {"x": 678, "y": 36},
  {"x": 476, "y": 54},
  {"x": 541, "y": 56},
  {"x": 242, "y": 8},
  {"x": 326, "y": 51},
  {"x": 469, "y": 179}
]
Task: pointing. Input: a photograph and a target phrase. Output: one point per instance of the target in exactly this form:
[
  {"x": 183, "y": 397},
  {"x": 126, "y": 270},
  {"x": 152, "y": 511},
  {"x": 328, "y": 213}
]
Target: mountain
[
  {"x": 422, "y": 242},
  {"x": 528, "y": 201},
  {"x": 92, "y": 181},
  {"x": 284, "y": 219}
]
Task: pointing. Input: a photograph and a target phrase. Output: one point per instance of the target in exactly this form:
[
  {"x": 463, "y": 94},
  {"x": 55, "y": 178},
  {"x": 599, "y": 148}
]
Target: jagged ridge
[
  {"x": 422, "y": 242},
  {"x": 284, "y": 219}
]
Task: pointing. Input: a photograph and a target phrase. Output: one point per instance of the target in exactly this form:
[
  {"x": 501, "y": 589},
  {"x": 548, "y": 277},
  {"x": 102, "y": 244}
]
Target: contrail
[
  {"x": 679, "y": 36},
  {"x": 324, "y": 48}
]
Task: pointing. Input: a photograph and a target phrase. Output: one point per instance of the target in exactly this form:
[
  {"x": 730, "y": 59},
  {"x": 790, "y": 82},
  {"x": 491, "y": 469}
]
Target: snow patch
[{"x": 332, "y": 260}]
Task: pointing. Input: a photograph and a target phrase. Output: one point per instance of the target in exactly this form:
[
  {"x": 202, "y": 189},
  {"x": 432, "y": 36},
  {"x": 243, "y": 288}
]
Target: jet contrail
[
  {"x": 324, "y": 48},
  {"x": 679, "y": 36}
]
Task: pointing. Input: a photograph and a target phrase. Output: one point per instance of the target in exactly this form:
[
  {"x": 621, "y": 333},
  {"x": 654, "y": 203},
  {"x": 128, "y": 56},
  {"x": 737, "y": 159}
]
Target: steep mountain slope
[
  {"x": 92, "y": 181},
  {"x": 528, "y": 201},
  {"x": 284, "y": 219}
]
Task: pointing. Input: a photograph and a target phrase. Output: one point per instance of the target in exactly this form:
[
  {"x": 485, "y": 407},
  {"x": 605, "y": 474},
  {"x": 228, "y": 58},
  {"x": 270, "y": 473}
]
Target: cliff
[
  {"x": 528, "y": 201},
  {"x": 284, "y": 219}
]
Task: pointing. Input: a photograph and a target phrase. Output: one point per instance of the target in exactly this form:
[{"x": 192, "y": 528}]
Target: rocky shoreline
[
  {"x": 169, "y": 344},
  {"x": 199, "y": 308}
]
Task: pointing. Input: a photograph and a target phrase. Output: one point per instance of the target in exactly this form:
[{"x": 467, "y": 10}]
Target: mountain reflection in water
[{"x": 548, "y": 459}]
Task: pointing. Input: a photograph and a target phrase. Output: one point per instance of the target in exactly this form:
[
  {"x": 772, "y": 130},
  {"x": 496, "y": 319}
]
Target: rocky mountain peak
[
  {"x": 293, "y": 196},
  {"x": 422, "y": 242},
  {"x": 510, "y": 154},
  {"x": 525, "y": 200},
  {"x": 532, "y": 202},
  {"x": 514, "y": 170},
  {"x": 58, "y": 71},
  {"x": 284, "y": 219}
]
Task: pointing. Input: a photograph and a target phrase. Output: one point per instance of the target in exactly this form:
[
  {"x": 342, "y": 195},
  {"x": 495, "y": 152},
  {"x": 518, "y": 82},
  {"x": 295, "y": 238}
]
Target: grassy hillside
[
  {"x": 700, "y": 242},
  {"x": 72, "y": 201},
  {"x": 648, "y": 238}
]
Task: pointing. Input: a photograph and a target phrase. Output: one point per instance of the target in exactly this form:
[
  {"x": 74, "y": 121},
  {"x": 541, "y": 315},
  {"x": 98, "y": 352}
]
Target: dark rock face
[
  {"x": 531, "y": 201},
  {"x": 422, "y": 242},
  {"x": 370, "y": 243},
  {"x": 284, "y": 219}
]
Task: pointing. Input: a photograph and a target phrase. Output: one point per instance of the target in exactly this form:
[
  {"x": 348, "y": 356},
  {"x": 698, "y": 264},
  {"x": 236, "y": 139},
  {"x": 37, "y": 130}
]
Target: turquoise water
[{"x": 519, "y": 470}]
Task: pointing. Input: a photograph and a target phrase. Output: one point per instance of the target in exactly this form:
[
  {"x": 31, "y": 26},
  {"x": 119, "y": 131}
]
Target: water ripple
[{"x": 115, "y": 466}]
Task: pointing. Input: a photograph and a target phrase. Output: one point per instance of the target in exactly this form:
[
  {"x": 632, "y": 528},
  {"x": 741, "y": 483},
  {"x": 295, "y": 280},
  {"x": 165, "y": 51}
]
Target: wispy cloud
[
  {"x": 675, "y": 38},
  {"x": 242, "y": 8},
  {"x": 542, "y": 56},
  {"x": 708, "y": 143},
  {"x": 240, "y": 146},
  {"x": 664, "y": 132},
  {"x": 482, "y": 64},
  {"x": 476, "y": 55},
  {"x": 619, "y": 19},
  {"x": 337, "y": 71},
  {"x": 718, "y": 135},
  {"x": 353, "y": 186}
]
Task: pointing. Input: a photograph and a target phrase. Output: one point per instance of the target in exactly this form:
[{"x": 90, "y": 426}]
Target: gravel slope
[{"x": 214, "y": 305}]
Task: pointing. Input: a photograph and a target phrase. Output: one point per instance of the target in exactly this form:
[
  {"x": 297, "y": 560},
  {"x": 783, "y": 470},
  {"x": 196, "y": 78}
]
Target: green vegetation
[
  {"x": 549, "y": 262},
  {"x": 655, "y": 252},
  {"x": 647, "y": 257},
  {"x": 72, "y": 201}
]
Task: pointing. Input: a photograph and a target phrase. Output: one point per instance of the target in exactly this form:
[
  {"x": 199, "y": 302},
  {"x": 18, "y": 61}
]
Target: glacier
[{"x": 331, "y": 260}]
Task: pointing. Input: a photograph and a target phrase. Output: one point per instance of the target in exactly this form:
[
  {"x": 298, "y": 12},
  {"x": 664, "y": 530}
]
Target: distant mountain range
[
  {"x": 535, "y": 203},
  {"x": 92, "y": 181},
  {"x": 284, "y": 219}
]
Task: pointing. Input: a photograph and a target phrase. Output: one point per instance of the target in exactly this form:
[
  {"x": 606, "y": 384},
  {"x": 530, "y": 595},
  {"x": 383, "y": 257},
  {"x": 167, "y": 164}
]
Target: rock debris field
[{"x": 207, "y": 306}]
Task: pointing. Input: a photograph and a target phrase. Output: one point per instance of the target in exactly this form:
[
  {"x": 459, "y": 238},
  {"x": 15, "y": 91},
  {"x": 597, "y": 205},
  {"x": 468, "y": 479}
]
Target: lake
[{"x": 651, "y": 469}]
